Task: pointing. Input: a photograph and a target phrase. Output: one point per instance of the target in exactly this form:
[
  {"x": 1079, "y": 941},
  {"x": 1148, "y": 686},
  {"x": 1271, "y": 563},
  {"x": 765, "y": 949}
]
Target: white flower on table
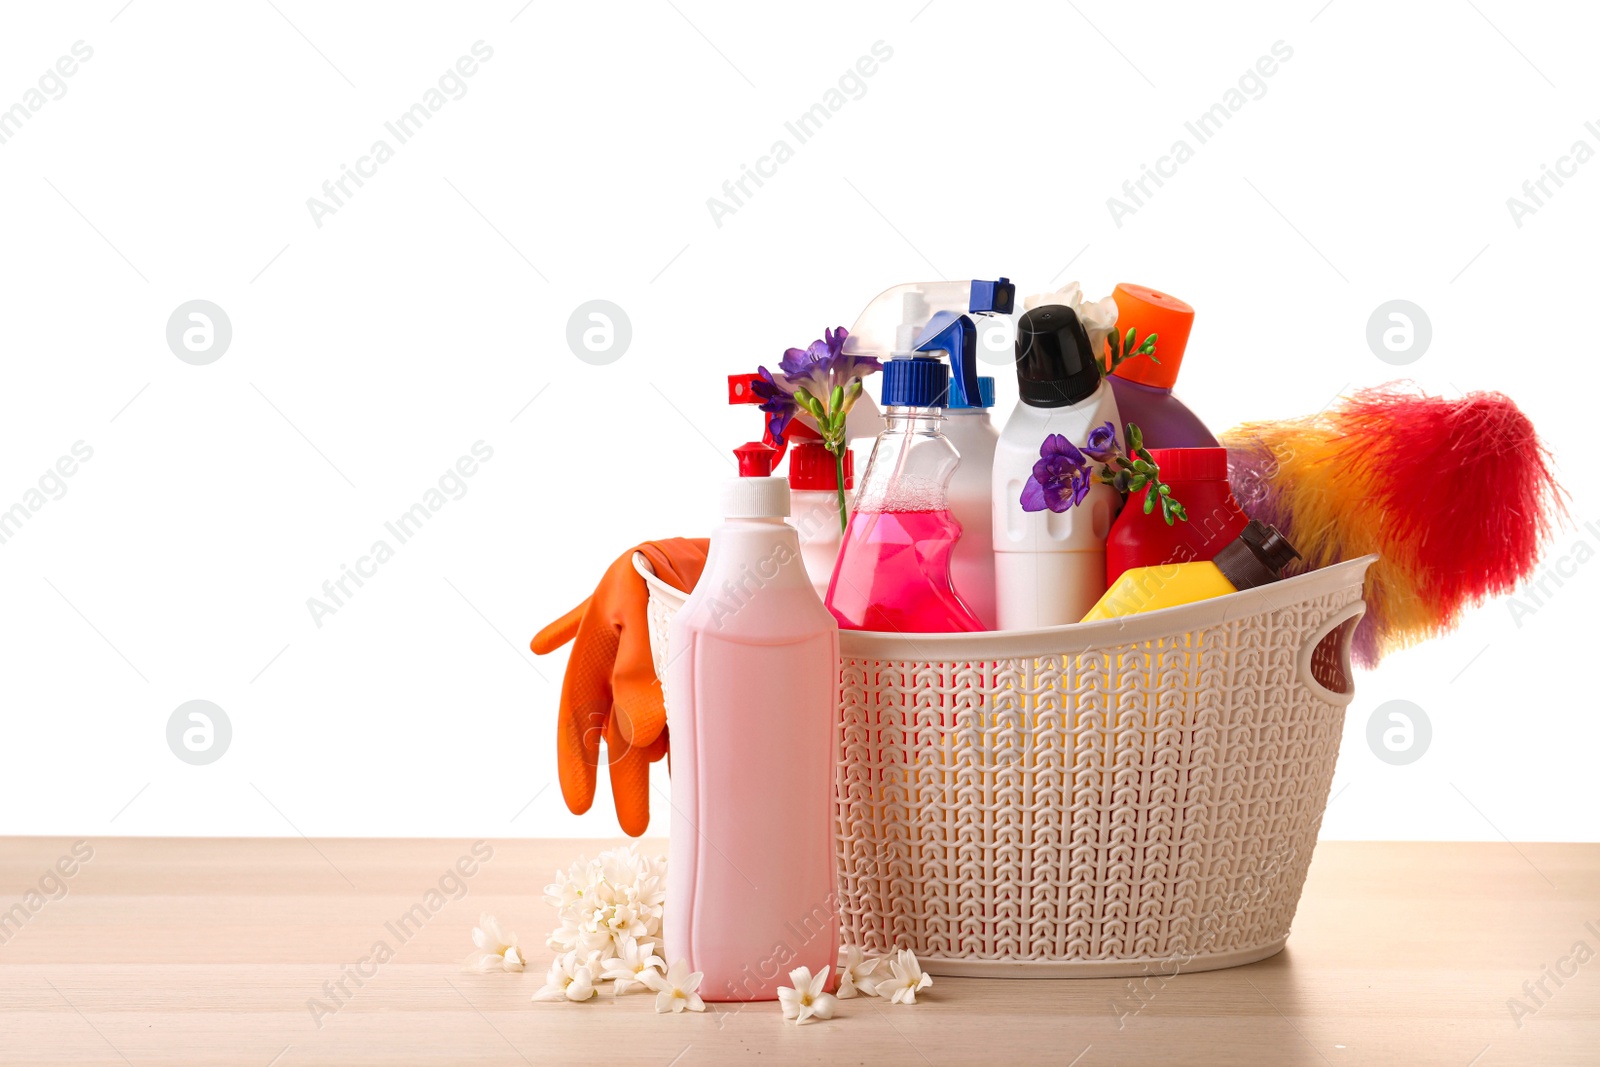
[
  {"x": 627, "y": 967},
  {"x": 599, "y": 902},
  {"x": 806, "y": 1000},
  {"x": 497, "y": 950},
  {"x": 857, "y": 973},
  {"x": 676, "y": 989},
  {"x": 907, "y": 979},
  {"x": 571, "y": 977}
]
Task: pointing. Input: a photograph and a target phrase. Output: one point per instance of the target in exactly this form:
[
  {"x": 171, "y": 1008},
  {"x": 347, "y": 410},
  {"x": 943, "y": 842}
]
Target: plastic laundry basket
[{"x": 1113, "y": 798}]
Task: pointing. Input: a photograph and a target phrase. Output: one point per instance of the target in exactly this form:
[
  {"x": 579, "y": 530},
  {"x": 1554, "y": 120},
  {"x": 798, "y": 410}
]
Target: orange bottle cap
[{"x": 1169, "y": 318}]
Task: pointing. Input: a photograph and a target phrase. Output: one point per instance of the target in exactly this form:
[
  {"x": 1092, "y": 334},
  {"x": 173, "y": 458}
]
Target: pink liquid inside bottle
[{"x": 894, "y": 574}]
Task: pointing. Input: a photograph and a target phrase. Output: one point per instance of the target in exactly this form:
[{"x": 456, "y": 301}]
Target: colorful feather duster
[{"x": 1457, "y": 497}]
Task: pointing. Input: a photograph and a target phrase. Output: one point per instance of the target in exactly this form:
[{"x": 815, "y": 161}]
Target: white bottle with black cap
[
  {"x": 752, "y": 702},
  {"x": 1050, "y": 567}
]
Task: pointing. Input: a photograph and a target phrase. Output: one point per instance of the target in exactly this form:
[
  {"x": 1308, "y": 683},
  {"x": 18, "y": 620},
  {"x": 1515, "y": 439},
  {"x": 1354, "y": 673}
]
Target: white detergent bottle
[
  {"x": 752, "y": 707},
  {"x": 1050, "y": 567},
  {"x": 967, "y": 426}
]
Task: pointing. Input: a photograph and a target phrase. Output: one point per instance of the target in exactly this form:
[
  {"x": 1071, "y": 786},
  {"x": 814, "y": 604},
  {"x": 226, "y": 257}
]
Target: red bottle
[{"x": 1199, "y": 481}]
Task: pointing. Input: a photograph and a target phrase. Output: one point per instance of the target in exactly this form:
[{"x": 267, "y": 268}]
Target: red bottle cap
[
  {"x": 811, "y": 467},
  {"x": 756, "y": 459},
  {"x": 1169, "y": 318},
  {"x": 1191, "y": 464}
]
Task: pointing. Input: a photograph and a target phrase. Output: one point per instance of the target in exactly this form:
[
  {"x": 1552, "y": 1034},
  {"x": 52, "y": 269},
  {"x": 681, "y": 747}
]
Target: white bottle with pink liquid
[{"x": 752, "y": 707}]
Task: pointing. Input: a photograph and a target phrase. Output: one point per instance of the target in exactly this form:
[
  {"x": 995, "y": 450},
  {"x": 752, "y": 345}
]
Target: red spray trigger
[
  {"x": 756, "y": 459},
  {"x": 740, "y": 392}
]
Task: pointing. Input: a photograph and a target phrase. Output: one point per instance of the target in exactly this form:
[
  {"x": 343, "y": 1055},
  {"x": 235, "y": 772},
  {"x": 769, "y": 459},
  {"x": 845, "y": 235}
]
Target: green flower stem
[
  {"x": 838, "y": 449},
  {"x": 1120, "y": 349},
  {"x": 1137, "y": 472}
]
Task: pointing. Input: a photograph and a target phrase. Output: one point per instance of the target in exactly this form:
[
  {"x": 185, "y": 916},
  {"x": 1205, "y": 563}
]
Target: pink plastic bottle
[{"x": 752, "y": 706}]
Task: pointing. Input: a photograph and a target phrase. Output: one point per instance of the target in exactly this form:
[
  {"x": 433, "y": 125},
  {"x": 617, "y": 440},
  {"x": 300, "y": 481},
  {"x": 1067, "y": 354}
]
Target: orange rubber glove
[{"x": 610, "y": 691}]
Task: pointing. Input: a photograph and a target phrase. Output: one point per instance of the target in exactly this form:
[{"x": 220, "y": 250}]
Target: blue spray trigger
[
  {"x": 958, "y": 335},
  {"x": 992, "y": 298}
]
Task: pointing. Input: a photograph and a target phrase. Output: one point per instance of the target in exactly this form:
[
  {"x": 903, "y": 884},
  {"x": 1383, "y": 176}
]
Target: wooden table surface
[{"x": 179, "y": 951}]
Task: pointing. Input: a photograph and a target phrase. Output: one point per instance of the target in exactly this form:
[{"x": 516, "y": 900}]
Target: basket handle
[{"x": 1331, "y": 662}]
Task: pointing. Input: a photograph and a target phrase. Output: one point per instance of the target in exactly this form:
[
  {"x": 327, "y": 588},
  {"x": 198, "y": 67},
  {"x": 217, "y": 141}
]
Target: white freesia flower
[
  {"x": 806, "y": 999},
  {"x": 497, "y": 950},
  {"x": 858, "y": 974},
  {"x": 676, "y": 989},
  {"x": 601, "y": 902},
  {"x": 627, "y": 967},
  {"x": 907, "y": 979},
  {"x": 571, "y": 977},
  {"x": 1099, "y": 317}
]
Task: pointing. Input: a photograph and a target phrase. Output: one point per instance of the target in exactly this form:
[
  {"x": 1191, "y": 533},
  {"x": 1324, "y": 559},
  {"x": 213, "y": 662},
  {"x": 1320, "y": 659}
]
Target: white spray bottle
[{"x": 967, "y": 425}]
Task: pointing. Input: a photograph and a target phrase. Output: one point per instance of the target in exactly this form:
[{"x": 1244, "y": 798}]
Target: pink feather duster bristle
[{"x": 1457, "y": 497}]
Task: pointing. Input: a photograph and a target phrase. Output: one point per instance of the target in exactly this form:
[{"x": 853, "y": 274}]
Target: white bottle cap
[{"x": 755, "y": 498}]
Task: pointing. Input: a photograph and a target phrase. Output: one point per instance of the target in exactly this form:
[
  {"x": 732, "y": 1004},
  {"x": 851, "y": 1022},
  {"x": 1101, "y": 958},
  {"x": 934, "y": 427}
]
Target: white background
[{"x": 429, "y": 312}]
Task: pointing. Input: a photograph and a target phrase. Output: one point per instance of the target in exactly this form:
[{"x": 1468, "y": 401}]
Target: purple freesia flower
[
  {"x": 1060, "y": 479},
  {"x": 1102, "y": 443},
  {"x": 818, "y": 368},
  {"x": 824, "y": 365},
  {"x": 777, "y": 400}
]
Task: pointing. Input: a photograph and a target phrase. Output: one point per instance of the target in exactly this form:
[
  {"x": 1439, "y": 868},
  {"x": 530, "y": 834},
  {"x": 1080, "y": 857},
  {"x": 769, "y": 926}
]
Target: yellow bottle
[{"x": 1256, "y": 557}]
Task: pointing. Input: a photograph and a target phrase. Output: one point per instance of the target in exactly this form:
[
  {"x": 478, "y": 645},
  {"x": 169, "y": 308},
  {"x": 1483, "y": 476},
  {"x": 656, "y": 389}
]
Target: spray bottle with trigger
[
  {"x": 894, "y": 571},
  {"x": 813, "y": 478}
]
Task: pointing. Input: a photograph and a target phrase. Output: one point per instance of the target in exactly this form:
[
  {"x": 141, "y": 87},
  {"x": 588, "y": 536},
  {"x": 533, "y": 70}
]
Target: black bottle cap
[
  {"x": 1256, "y": 557},
  {"x": 1055, "y": 365}
]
